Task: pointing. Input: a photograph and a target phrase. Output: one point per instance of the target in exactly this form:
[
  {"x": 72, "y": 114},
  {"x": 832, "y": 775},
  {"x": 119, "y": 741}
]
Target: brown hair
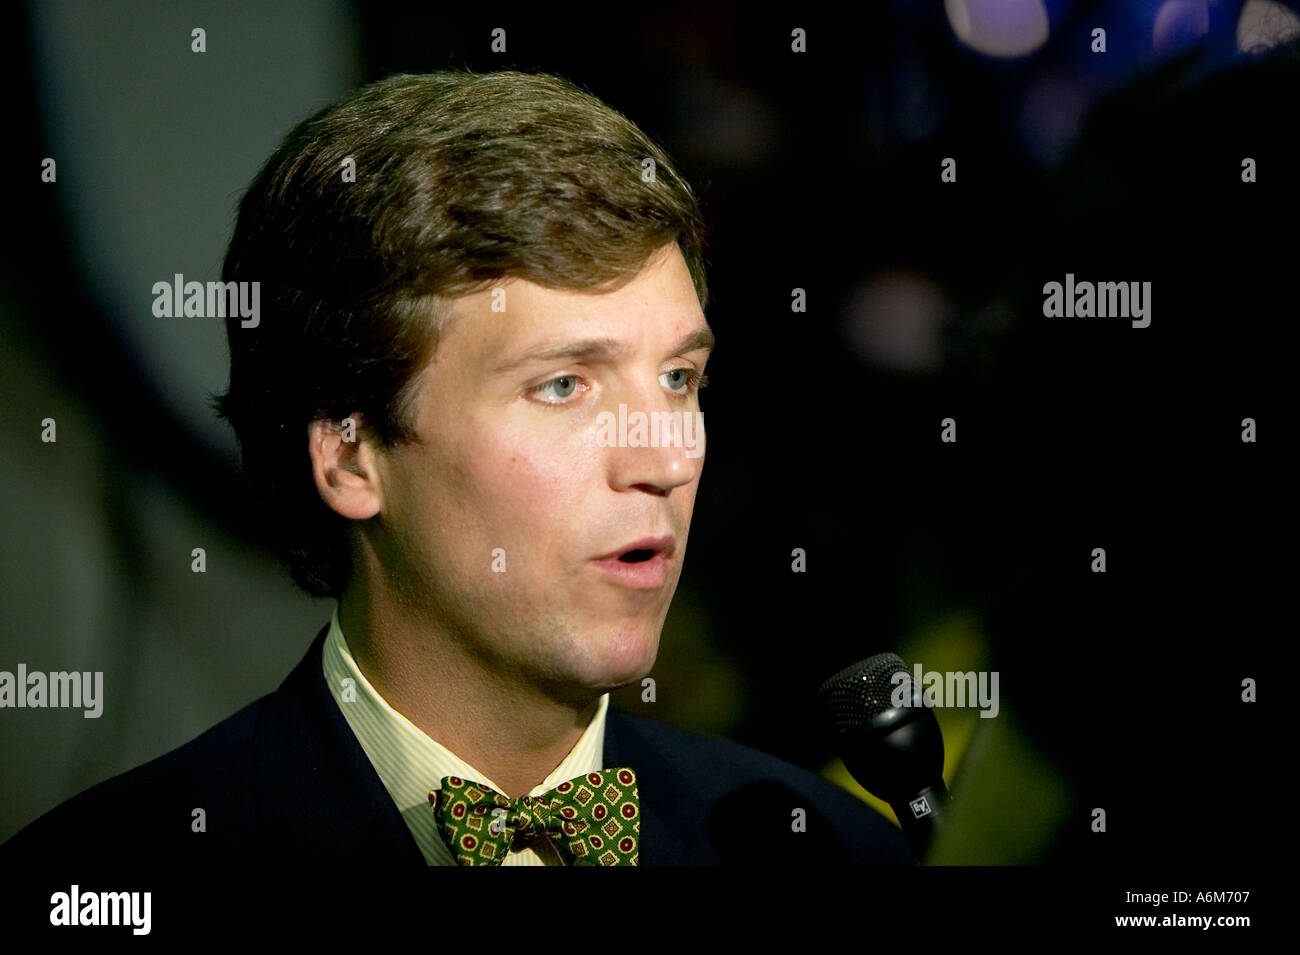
[{"x": 461, "y": 179}]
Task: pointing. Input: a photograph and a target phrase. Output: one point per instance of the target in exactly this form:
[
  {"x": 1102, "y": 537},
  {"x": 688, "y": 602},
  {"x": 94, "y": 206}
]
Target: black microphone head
[
  {"x": 885, "y": 733},
  {"x": 854, "y": 696}
]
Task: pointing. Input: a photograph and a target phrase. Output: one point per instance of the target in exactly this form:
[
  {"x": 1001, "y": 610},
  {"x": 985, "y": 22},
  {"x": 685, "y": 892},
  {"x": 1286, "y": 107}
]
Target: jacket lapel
[
  {"x": 670, "y": 805},
  {"x": 318, "y": 792}
]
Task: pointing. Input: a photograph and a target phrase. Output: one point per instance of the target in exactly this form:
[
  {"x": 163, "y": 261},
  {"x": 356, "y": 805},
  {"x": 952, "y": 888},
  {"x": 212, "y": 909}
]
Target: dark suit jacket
[{"x": 285, "y": 779}]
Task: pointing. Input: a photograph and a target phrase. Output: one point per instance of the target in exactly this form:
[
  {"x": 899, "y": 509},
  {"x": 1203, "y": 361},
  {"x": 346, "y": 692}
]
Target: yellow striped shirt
[{"x": 410, "y": 763}]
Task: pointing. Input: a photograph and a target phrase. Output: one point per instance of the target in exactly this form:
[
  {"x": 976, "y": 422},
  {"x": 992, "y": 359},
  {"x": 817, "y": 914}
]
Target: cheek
[
  {"x": 685, "y": 504},
  {"x": 529, "y": 479}
]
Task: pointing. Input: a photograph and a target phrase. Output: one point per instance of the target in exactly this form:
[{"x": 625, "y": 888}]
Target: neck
[{"x": 509, "y": 730}]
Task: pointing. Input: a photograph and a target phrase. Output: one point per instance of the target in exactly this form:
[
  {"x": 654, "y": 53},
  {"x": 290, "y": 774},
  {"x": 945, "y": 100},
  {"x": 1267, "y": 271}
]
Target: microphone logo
[{"x": 920, "y": 807}]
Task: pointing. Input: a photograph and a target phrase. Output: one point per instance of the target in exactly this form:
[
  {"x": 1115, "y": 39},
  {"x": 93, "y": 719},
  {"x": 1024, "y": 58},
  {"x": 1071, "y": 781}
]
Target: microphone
[{"x": 894, "y": 751}]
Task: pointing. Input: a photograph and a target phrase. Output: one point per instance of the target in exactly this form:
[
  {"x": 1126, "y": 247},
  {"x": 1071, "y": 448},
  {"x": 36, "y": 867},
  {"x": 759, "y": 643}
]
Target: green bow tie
[{"x": 591, "y": 820}]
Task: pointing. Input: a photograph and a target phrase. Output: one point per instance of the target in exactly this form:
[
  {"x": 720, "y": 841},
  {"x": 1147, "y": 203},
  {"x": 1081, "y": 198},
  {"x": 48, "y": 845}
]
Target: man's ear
[{"x": 345, "y": 471}]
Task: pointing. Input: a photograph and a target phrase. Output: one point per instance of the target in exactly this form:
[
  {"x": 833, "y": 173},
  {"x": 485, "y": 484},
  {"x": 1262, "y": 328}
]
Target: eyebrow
[{"x": 600, "y": 349}]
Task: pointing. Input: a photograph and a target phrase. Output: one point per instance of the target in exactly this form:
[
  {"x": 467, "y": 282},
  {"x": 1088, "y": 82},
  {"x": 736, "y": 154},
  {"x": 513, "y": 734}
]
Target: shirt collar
[{"x": 409, "y": 761}]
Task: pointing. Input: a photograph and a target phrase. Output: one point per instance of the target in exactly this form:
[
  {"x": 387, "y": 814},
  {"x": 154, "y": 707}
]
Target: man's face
[{"x": 495, "y": 522}]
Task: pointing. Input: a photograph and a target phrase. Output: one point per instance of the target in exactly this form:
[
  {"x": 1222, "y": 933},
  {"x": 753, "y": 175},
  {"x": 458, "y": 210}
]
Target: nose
[{"x": 653, "y": 442}]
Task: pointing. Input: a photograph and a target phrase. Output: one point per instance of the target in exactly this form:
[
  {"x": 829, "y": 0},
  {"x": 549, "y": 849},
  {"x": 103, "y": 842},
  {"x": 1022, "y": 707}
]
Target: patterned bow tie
[{"x": 591, "y": 820}]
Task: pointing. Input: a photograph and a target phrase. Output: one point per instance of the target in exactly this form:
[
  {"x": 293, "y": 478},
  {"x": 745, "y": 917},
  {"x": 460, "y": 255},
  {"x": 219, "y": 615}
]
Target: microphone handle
[{"x": 922, "y": 816}]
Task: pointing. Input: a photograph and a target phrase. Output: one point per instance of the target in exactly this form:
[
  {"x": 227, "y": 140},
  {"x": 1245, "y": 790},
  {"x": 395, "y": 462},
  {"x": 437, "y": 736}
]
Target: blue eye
[
  {"x": 565, "y": 386},
  {"x": 692, "y": 379},
  {"x": 682, "y": 382}
]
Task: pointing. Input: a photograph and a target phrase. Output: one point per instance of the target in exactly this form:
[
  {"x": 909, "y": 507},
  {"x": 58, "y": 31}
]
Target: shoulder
[
  {"x": 150, "y": 808},
  {"x": 738, "y": 788}
]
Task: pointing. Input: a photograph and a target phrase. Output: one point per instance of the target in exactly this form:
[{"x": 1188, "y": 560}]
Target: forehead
[{"x": 500, "y": 326}]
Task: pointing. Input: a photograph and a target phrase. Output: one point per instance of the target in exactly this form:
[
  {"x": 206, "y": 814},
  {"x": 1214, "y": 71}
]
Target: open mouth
[
  {"x": 644, "y": 565},
  {"x": 636, "y": 556}
]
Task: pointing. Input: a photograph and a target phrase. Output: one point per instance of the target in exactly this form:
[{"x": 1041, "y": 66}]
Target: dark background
[{"x": 817, "y": 171}]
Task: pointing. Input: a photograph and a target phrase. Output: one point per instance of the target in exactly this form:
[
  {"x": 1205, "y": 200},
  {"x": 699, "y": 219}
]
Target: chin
[{"x": 625, "y": 659}]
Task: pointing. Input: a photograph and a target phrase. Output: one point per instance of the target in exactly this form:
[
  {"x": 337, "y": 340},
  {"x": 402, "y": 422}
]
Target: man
[{"x": 464, "y": 279}]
